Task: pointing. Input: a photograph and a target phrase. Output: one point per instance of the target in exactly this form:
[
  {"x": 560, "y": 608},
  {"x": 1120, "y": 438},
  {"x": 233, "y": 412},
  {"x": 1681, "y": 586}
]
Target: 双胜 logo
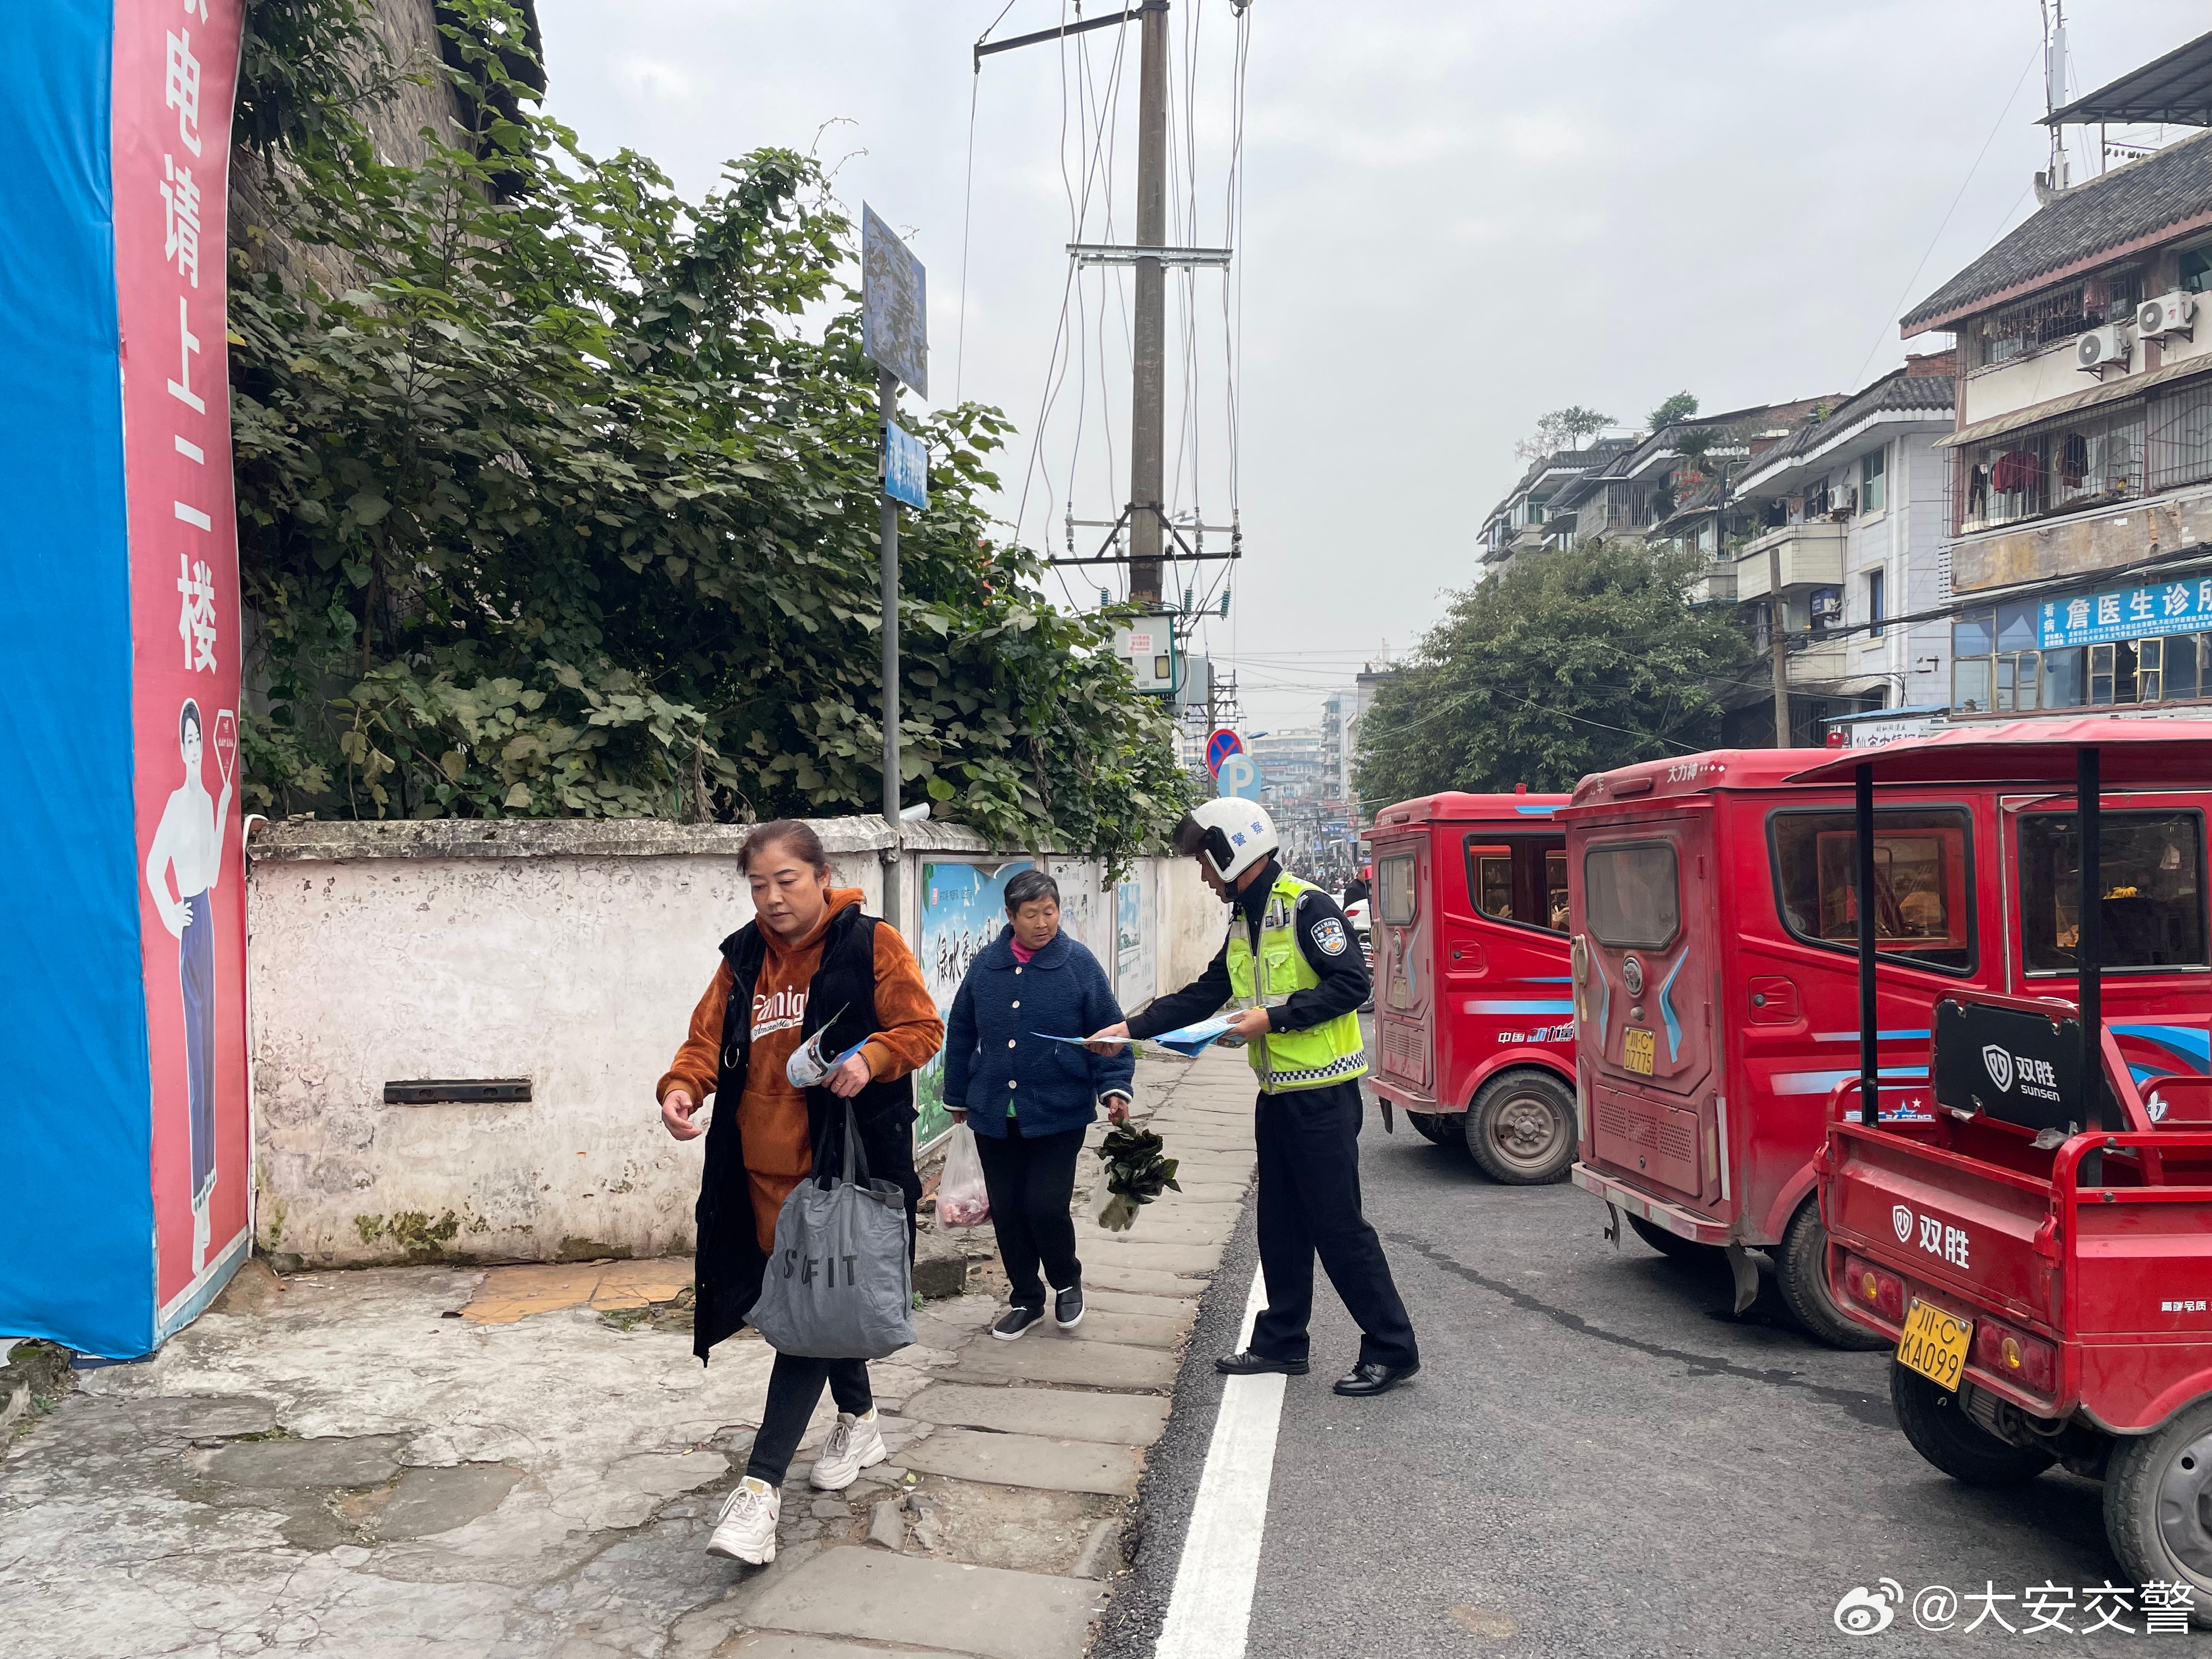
[
  {"x": 1864, "y": 1612},
  {"x": 1999, "y": 1062},
  {"x": 1901, "y": 1219}
]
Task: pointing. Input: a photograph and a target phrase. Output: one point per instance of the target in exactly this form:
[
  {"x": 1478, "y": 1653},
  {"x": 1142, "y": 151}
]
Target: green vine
[{"x": 567, "y": 503}]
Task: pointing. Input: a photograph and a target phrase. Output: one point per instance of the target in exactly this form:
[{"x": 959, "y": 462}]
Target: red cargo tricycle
[
  {"x": 1715, "y": 927},
  {"x": 1475, "y": 1028},
  {"x": 2039, "y": 1250}
]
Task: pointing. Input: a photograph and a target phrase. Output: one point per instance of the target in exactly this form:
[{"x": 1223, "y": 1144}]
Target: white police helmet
[{"x": 1232, "y": 836}]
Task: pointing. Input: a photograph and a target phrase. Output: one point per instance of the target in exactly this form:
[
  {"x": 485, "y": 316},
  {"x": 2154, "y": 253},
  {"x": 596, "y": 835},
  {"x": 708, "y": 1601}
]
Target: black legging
[
  {"x": 794, "y": 1389},
  {"x": 1031, "y": 1179}
]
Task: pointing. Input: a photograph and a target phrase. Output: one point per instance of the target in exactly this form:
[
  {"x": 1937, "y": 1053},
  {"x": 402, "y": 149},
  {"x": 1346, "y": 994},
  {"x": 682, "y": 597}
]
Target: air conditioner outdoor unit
[
  {"x": 2100, "y": 348},
  {"x": 2169, "y": 314}
]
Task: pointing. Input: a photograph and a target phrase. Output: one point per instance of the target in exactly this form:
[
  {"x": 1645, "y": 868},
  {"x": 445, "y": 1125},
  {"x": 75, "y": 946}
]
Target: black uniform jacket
[{"x": 1325, "y": 939}]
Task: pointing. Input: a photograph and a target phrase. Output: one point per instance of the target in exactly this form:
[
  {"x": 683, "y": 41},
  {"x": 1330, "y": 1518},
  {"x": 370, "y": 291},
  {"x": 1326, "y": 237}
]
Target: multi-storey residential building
[
  {"x": 2080, "y": 470},
  {"x": 1516, "y": 526},
  {"x": 1847, "y": 551},
  {"x": 1645, "y": 492},
  {"x": 1290, "y": 759}
]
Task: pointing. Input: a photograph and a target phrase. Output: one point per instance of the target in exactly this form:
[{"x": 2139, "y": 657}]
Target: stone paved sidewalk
[{"x": 435, "y": 1461}]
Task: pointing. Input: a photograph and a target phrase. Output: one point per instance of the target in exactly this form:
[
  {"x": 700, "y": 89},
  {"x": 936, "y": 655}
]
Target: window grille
[{"x": 2021, "y": 330}]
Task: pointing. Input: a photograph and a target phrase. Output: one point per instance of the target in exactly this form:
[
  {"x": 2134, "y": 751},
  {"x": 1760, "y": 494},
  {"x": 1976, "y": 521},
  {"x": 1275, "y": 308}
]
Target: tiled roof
[{"x": 2117, "y": 212}]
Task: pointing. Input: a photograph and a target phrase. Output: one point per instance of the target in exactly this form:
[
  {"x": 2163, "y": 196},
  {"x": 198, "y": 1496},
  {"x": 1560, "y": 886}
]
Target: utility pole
[
  {"x": 1148, "y": 384},
  {"x": 887, "y": 403}
]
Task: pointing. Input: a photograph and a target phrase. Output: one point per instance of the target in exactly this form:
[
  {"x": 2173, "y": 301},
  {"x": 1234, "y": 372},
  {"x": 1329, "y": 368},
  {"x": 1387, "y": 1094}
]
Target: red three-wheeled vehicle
[{"x": 2040, "y": 1251}]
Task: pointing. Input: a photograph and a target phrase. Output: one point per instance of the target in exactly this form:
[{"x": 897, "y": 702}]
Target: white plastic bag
[{"x": 961, "y": 1198}]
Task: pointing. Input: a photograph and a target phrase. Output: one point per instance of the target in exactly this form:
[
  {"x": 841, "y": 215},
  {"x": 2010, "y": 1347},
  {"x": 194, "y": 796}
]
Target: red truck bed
[{"x": 2104, "y": 1278}]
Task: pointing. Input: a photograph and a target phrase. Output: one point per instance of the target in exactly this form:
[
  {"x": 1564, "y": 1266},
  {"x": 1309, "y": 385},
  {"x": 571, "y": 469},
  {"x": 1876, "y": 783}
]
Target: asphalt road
[{"x": 1597, "y": 1458}]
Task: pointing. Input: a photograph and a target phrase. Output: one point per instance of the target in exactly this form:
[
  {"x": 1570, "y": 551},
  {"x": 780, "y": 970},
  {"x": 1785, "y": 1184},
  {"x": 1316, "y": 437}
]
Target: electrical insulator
[{"x": 1224, "y": 601}]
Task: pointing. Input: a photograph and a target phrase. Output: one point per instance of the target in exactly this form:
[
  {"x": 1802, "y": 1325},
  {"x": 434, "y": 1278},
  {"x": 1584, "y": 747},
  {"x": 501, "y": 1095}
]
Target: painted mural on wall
[
  {"x": 1082, "y": 917},
  {"x": 963, "y": 907}
]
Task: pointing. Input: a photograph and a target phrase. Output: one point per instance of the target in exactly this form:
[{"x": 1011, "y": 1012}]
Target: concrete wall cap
[{"x": 339, "y": 839}]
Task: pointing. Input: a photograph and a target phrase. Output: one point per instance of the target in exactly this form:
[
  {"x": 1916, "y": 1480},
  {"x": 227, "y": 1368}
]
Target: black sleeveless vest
[{"x": 842, "y": 992}]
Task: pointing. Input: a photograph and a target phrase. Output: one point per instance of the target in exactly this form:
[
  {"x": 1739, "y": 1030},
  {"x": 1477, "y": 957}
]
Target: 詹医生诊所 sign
[
  {"x": 2181, "y": 606},
  {"x": 125, "y": 1044}
]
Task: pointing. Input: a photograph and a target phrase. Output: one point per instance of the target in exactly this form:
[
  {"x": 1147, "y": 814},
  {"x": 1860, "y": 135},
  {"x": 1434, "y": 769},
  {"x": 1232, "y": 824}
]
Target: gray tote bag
[{"x": 839, "y": 1285}]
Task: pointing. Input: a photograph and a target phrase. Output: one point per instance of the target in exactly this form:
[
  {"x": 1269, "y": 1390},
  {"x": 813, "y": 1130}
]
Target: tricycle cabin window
[
  {"x": 1394, "y": 889},
  {"x": 1923, "y": 883},
  {"x": 1632, "y": 894},
  {"x": 2152, "y": 869},
  {"x": 1522, "y": 880}
]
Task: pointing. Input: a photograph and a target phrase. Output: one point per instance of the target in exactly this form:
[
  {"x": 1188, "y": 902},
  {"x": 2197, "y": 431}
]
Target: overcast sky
[{"x": 1458, "y": 214}]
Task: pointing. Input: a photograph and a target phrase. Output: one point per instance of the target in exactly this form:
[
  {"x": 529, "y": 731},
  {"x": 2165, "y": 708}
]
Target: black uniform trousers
[{"x": 1309, "y": 1146}]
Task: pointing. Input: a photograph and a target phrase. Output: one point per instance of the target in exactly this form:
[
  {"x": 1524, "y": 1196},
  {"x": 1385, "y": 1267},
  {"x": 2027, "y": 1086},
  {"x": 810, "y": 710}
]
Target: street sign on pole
[
  {"x": 906, "y": 466},
  {"x": 1238, "y": 777},
  {"x": 895, "y": 332},
  {"x": 894, "y": 303},
  {"x": 1219, "y": 747}
]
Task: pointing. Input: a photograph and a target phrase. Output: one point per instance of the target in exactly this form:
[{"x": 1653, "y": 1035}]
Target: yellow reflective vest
[{"x": 1332, "y": 1052}]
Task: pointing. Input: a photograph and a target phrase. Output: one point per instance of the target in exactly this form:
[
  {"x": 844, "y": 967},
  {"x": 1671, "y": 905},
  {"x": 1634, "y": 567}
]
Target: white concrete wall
[{"x": 571, "y": 953}]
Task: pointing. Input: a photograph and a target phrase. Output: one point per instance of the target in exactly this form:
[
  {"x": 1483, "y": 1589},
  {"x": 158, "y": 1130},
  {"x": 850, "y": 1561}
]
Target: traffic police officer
[{"x": 1294, "y": 970}]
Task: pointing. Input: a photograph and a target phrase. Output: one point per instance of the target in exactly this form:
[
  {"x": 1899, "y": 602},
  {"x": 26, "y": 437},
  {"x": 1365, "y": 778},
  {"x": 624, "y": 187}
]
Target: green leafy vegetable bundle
[{"x": 1136, "y": 1173}]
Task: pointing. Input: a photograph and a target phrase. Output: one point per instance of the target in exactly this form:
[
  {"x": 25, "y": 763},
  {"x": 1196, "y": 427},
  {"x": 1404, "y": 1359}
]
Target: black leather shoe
[
  {"x": 1367, "y": 1377},
  {"x": 1248, "y": 1364}
]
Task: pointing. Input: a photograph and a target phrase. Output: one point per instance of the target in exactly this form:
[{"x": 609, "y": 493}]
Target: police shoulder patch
[{"x": 1329, "y": 935}]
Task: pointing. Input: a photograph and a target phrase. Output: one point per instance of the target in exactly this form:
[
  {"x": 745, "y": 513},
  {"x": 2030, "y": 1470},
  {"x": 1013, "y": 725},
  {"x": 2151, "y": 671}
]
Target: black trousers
[
  {"x": 1308, "y": 1146},
  {"x": 1031, "y": 1179},
  {"x": 794, "y": 1389}
]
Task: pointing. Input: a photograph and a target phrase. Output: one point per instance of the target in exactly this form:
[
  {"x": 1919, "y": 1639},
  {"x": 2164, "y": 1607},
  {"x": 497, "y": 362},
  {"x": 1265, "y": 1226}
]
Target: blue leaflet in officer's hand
[{"x": 1188, "y": 1041}]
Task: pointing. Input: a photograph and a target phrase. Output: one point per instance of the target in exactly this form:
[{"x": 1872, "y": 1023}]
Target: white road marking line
[{"x": 1211, "y": 1609}]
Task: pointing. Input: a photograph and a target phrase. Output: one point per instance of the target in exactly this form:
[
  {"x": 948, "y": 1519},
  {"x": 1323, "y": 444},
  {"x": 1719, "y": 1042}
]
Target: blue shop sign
[{"x": 2175, "y": 607}]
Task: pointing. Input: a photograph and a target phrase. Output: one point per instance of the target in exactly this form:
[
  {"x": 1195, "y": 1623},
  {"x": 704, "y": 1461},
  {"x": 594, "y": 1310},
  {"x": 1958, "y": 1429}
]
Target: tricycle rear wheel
[
  {"x": 1521, "y": 1128},
  {"x": 1434, "y": 1126},
  {"x": 1940, "y": 1432},
  {"x": 1801, "y": 1273},
  {"x": 1673, "y": 1244},
  {"x": 2157, "y": 1506}
]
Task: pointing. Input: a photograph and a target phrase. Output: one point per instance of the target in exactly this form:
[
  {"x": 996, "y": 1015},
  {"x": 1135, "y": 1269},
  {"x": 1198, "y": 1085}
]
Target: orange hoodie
[{"x": 771, "y": 1117}]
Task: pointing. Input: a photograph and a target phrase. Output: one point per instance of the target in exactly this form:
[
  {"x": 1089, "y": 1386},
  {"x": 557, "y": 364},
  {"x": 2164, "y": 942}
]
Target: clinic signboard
[
  {"x": 125, "y": 1113},
  {"x": 2181, "y": 606}
]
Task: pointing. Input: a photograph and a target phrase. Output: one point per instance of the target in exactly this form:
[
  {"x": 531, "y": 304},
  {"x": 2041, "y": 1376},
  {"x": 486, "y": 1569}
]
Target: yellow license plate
[
  {"x": 1639, "y": 1050},
  {"x": 1935, "y": 1344}
]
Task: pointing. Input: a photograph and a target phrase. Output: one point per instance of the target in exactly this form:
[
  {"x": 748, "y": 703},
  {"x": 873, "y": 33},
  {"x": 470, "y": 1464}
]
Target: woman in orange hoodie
[{"x": 809, "y": 959}]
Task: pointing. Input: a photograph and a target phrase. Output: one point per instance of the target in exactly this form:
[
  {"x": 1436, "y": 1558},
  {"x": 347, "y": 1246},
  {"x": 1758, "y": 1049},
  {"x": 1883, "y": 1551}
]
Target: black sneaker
[
  {"x": 1067, "y": 1307},
  {"x": 1014, "y": 1323}
]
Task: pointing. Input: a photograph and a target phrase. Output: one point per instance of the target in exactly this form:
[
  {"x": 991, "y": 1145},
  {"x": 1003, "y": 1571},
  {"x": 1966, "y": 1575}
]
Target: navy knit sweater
[{"x": 994, "y": 1057}]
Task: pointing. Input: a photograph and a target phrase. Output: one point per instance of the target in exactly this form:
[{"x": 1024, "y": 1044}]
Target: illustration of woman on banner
[{"x": 187, "y": 851}]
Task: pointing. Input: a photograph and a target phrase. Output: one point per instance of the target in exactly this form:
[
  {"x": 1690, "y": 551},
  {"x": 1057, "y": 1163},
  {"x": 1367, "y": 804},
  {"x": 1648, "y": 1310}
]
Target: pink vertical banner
[{"x": 176, "y": 68}]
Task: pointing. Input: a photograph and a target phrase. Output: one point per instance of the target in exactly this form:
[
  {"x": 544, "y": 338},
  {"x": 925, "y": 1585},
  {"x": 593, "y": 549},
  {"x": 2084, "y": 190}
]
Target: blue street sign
[
  {"x": 906, "y": 466},
  {"x": 1219, "y": 747},
  {"x": 1239, "y": 777},
  {"x": 2130, "y": 613}
]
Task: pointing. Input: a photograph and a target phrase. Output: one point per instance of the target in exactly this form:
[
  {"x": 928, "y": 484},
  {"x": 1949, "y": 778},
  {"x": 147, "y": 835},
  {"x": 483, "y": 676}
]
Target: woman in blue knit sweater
[{"x": 1030, "y": 1101}]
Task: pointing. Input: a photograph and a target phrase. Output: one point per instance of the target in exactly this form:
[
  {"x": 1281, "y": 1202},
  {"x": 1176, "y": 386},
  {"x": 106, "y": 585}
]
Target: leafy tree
[
  {"x": 1563, "y": 428},
  {"x": 1573, "y": 663},
  {"x": 570, "y": 506},
  {"x": 1680, "y": 407}
]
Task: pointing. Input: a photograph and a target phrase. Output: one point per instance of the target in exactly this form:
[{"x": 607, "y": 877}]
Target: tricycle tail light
[{"x": 2003, "y": 1350}]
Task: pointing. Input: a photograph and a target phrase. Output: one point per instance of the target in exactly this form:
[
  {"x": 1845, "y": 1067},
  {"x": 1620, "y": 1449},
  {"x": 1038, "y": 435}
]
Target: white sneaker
[
  {"x": 855, "y": 1443},
  {"x": 745, "y": 1529}
]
